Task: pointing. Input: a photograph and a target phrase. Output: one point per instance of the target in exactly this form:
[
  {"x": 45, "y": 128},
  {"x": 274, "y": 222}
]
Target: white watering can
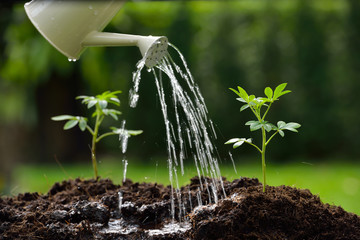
[{"x": 71, "y": 26}]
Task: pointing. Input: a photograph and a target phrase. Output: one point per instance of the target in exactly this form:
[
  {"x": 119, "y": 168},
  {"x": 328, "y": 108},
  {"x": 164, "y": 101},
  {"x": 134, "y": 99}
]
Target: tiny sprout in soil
[
  {"x": 255, "y": 104},
  {"x": 99, "y": 103}
]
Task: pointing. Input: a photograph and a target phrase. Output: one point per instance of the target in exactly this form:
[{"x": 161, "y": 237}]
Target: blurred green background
[{"x": 312, "y": 45}]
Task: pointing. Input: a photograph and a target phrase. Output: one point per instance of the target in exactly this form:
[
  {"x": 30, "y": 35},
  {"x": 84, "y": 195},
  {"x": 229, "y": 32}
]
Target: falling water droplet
[{"x": 125, "y": 164}]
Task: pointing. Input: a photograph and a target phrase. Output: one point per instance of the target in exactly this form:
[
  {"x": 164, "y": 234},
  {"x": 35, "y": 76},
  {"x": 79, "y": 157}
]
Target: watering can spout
[
  {"x": 72, "y": 26},
  {"x": 152, "y": 48}
]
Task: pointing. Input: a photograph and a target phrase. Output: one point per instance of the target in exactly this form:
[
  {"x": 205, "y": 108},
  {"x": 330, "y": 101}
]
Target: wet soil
[{"x": 89, "y": 209}]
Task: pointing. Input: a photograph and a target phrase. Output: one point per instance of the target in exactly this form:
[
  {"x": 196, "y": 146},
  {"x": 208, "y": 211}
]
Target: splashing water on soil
[{"x": 189, "y": 131}]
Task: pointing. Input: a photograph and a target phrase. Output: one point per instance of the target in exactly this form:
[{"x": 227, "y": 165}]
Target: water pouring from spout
[{"x": 72, "y": 26}]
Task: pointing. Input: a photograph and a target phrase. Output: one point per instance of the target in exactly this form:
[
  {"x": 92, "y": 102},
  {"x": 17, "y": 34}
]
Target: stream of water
[{"x": 189, "y": 131}]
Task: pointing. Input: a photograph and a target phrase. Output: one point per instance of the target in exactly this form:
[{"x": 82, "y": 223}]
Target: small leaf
[
  {"x": 241, "y": 100},
  {"x": 239, "y": 143},
  {"x": 281, "y": 124},
  {"x": 268, "y": 127},
  {"x": 91, "y": 103},
  {"x": 102, "y": 104},
  {"x": 243, "y": 93},
  {"x": 268, "y": 92},
  {"x": 251, "y": 98},
  {"x": 82, "y": 97},
  {"x": 251, "y": 122},
  {"x": 82, "y": 124},
  {"x": 70, "y": 124},
  {"x": 62, "y": 117},
  {"x": 233, "y": 140},
  {"x": 114, "y": 116},
  {"x": 255, "y": 126},
  {"x": 283, "y": 93},
  {"x": 281, "y": 133},
  {"x": 134, "y": 132},
  {"x": 293, "y": 125},
  {"x": 115, "y": 99},
  {"x": 244, "y": 107}
]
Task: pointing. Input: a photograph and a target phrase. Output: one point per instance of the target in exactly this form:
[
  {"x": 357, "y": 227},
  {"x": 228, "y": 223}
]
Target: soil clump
[{"x": 90, "y": 209}]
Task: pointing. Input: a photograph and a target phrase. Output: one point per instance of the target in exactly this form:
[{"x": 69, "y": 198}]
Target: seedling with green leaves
[
  {"x": 99, "y": 103},
  {"x": 256, "y": 104}
]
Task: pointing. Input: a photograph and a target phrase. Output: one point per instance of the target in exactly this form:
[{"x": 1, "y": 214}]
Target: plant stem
[
  {"x": 263, "y": 157},
  {"x": 105, "y": 135},
  {"x": 93, "y": 147},
  {"x": 267, "y": 110},
  {"x": 271, "y": 137}
]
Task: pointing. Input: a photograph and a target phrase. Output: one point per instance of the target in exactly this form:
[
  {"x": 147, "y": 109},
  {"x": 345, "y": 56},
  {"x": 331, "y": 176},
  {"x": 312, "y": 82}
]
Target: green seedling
[
  {"x": 99, "y": 103},
  {"x": 256, "y": 104}
]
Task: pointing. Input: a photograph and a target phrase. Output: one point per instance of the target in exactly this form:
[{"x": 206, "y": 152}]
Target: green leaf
[
  {"x": 62, "y": 117},
  {"x": 134, "y": 132},
  {"x": 281, "y": 124},
  {"x": 239, "y": 143},
  {"x": 268, "y": 92},
  {"x": 291, "y": 126},
  {"x": 268, "y": 127},
  {"x": 278, "y": 90},
  {"x": 251, "y": 122},
  {"x": 70, "y": 124},
  {"x": 243, "y": 94},
  {"x": 114, "y": 116},
  {"x": 244, "y": 107},
  {"x": 251, "y": 98},
  {"x": 233, "y": 140},
  {"x": 241, "y": 100},
  {"x": 103, "y": 104},
  {"x": 82, "y": 124},
  {"x": 284, "y": 92},
  {"x": 281, "y": 133},
  {"x": 254, "y": 125},
  {"x": 91, "y": 103},
  {"x": 82, "y": 97}
]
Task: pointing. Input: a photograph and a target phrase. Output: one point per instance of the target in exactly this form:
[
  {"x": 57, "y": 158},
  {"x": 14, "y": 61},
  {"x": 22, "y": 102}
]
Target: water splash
[
  {"x": 189, "y": 131},
  {"x": 120, "y": 200}
]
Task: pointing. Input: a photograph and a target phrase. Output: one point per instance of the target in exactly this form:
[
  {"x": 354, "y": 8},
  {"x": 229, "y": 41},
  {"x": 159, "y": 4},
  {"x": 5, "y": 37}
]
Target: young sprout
[
  {"x": 255, "y": 105},
  {"x": 99, "y": 103}
]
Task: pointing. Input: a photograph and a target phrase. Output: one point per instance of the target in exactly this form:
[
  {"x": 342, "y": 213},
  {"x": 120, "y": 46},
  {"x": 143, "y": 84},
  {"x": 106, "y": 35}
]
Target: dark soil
[{"x": 89, "y": 209}]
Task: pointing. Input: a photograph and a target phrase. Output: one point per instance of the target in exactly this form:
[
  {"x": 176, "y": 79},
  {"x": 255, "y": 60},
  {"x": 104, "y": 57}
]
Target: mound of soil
[{"x": 89, "y": 209}]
